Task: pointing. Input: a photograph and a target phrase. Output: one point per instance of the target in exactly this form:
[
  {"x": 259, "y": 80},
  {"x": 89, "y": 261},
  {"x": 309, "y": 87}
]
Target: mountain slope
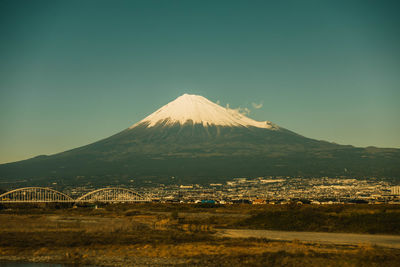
[{"x": 196, "y": 140}]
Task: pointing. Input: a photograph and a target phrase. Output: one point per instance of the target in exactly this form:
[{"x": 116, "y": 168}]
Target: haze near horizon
[{"x": 75, "y": 72}]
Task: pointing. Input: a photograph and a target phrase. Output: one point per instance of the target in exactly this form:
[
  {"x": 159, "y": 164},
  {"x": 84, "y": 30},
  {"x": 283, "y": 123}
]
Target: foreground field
[{"x": 176, "y": 235}]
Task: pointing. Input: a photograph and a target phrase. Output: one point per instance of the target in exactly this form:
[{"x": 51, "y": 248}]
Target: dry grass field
[{"x": 173, "y": 235}]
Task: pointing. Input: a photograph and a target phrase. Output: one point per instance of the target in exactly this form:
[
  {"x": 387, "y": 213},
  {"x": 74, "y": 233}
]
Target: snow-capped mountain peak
[{"x": 200, "y": 110}]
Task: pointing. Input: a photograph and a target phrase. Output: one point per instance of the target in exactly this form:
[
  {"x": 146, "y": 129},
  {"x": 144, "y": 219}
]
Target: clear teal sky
[{"x": 73, "y": 72}]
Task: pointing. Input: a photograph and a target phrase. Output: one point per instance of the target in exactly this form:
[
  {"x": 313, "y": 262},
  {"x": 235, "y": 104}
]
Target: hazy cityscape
[{"x": 263, "y": 190}]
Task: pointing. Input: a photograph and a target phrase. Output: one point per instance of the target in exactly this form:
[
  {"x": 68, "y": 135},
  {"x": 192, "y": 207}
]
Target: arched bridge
[
  {"x": 34, "y": 195},
  {"x": 113, "y": 194},
  {"x": 47, "y": 195}
]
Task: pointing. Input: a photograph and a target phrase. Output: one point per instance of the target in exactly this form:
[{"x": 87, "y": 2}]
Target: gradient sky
[{"x": 74, "y": 72}]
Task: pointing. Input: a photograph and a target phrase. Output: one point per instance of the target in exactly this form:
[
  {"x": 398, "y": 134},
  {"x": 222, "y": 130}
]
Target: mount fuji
[
  {"x": 196, "y": 109},
  {"x": 193, "y": 140}
]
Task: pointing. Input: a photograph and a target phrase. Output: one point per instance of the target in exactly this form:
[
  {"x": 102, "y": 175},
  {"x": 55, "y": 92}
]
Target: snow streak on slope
[{"x": 200, "y": 110}]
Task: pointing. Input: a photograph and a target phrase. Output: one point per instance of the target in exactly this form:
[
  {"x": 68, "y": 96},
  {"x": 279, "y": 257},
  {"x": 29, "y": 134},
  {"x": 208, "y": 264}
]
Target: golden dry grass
[{"x": 135, "y": 236}]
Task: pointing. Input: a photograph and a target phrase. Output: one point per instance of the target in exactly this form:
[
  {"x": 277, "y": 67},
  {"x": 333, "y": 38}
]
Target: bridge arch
[
  {"x": 34, "y": 195},
  {"x": 112, "y": 195}
]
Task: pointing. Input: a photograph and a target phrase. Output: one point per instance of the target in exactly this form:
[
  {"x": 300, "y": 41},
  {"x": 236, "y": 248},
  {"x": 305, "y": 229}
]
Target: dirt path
[{"x": 391, "y": 241}]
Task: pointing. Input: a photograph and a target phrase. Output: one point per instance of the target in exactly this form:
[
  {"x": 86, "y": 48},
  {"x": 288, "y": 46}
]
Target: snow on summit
[{"x": 200, "y": 110}]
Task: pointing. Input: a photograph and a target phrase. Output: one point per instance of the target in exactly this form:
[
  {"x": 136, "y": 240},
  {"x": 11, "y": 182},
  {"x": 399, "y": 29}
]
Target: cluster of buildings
[
  {"x": 272, "y": 190},
  {"x": 276, "y": 190}
]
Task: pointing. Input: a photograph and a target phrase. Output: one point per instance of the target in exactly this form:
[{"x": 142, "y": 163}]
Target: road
[{"x": 391, "y": 241}]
